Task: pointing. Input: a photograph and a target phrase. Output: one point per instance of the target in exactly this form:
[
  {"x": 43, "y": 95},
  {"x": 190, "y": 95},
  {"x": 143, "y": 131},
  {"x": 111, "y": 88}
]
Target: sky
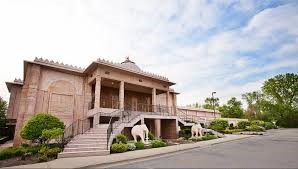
[{"x": 227, "y": 46}]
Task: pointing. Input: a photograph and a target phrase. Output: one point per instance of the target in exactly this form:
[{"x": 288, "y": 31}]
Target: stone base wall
[{"x": 168, "y": 129}]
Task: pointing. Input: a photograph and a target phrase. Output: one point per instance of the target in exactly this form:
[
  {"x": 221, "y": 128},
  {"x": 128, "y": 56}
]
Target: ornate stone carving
[
  {"x": 51, "y": 62},
  {"x": 141, "y": 131},
  {"x": 196, "y": 129}
]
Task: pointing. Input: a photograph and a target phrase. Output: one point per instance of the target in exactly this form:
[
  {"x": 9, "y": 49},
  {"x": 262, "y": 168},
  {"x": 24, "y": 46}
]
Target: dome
[{"x": 128, "y": 64}]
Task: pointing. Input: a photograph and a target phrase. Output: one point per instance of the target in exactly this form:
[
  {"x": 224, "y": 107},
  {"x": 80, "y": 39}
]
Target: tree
[
  {"x": 282, "y": 89},
  {"x": 254, "y": 100},
  {"x": 281, "y": 101},
  {"x": 209, "y": 101},
  {"x": 42, "y": 121},
  {"x": 232, "y": 109},
  {"x": 3, "y": 108}
]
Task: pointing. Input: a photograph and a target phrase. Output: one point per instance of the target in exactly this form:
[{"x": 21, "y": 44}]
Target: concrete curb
[
  {"x": 104, "y": 165},
  {"x": 83, "y": 162}
]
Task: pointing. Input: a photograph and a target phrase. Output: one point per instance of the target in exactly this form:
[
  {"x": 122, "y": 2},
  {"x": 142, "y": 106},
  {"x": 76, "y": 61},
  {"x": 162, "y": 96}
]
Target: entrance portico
[{"x": 112, "y": 94}]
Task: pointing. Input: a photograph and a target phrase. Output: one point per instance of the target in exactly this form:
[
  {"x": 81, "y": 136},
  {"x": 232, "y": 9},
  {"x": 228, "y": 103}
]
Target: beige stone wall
[
  {"x": 61, "y": 94},
  {"x": 14, "y": 102},
  {"x": 28, "y": 99},
  {"x": 47, "y": 90}
]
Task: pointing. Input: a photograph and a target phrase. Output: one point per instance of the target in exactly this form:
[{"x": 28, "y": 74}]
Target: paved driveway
[{"x": 276, "y": 149}]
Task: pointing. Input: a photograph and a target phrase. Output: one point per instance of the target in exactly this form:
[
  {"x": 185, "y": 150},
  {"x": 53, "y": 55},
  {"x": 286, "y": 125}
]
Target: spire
[{"x": 127, "y": 60}]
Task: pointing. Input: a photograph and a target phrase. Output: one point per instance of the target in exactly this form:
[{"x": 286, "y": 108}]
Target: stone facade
[{"x": 72, "y": 93}]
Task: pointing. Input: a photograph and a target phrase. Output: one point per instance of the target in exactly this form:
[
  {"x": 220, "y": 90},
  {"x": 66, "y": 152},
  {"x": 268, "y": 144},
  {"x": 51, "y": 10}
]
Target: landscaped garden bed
[
  {"x": 254, "y": 127},
  {"x": 44, "y": 132},
  {"x": 121, "y": 144}
]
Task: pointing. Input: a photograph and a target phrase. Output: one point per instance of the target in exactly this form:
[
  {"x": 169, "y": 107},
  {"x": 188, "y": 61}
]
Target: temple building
[{"x": 101, "y": 95}]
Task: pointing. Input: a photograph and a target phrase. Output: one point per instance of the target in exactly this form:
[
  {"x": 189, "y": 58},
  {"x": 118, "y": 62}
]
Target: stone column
[
  {"x": 28, "y": 100},
  {"x": 154, "y": 99},
  {"x": 168, "y": 102},
  {"x": 175, "y": 104},
  {"x": 121, "y": 95},
  {"x": 142, "y": 120},
  {"x": 96, "y": 119},
  {"x": 157, "y": 127},
  {"x": 97, "y": 92}
]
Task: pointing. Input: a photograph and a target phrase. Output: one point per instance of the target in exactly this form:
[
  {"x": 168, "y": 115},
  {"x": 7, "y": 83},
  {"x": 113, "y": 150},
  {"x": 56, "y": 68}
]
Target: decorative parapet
[
  {"x": 18, "y": 80},
  {"x": 62, "y": 65},
  {"x": 107, "y": 62}
]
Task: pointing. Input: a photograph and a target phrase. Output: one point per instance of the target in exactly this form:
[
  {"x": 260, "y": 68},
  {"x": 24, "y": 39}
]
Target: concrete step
[
  {"x": 84, "y": 149},
  {"x": 79, "y": 141},
  {"x": 98, "y": 130},
  {"x": 83, "y": 153},
  {"x": 76, "y": 145},
  {"x": 91, "y": 136}
]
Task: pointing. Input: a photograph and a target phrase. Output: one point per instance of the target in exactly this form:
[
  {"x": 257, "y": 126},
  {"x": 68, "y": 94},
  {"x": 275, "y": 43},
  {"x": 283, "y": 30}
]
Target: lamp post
[{"x": 213, "y": 101}]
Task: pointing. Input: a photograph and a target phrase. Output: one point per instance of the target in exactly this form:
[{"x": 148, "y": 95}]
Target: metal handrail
[
  {"x": 75, "y": 128},
  {"x": 110, "y": 125}
]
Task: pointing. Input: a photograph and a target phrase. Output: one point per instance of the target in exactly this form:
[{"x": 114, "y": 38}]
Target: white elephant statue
[
  {"x": 140, "y": 130},
  {"x": 196, "y": 129}
]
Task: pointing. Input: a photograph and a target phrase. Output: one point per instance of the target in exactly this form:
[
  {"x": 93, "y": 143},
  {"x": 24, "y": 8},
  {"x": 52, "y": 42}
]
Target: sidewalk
[{"x": 79, "y": 162}]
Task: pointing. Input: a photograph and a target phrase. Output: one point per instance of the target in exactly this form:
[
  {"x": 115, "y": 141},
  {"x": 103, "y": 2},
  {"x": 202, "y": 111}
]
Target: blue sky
[{"x": 227, "y": 46}]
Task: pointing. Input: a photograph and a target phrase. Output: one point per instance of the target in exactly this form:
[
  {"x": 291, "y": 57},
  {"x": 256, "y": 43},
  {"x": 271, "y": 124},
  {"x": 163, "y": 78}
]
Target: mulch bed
[{"x": 18, "y": 161}]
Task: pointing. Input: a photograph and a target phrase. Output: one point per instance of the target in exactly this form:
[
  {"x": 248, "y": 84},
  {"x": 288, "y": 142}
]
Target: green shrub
[
  {"x": 268, "y": 125},
  {"x": 254, "y": 127},
  {"x": 139, "y": 145},
  {"x": 17, "y": 151},
  {"x": 11, "y": 152},
  {"x": 228, "y": 131},
  {"x": 42, "y": 158},
  {"x": 25, "y": 145},
  {"x": 44, "y": 150},
  {"x": 131, "y": 146},
  {"x": 33, "y": 149},
  {"x": 195, "y": 139},
  {"x": 54, "y": 133},
  {"x": 157, "y": 143},
  {"x": 34, "y": 127},
  {"x": 185, "y": 133},
  {"x": 53, "y": 152},
  {"x": 120, "y": 138},
  {"x": 151, "y": 136},
  {"x": 243, "y": 124},
  {"x": 258, "y": 123},
  {"x": 218, "y": 124},
  {"x": 119, "y": 148},
  {"x": 49, "y": 152},
  {"x": 209, "y": 137}
]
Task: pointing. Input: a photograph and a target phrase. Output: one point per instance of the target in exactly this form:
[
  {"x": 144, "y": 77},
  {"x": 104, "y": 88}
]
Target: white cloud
[{"x": 152, "y": 33}]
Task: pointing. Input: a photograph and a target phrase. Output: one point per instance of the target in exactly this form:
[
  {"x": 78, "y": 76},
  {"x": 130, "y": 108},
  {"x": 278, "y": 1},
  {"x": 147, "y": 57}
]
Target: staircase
[{"x": 91, "y": 143}]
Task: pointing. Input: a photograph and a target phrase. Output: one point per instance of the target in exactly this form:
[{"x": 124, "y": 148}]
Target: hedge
[
  {"x": 243, "y": 124},
  {"x": 219, "y": 125},
  {"x": 157, "y": 143},
  {"x": 119, "y": 148}
]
